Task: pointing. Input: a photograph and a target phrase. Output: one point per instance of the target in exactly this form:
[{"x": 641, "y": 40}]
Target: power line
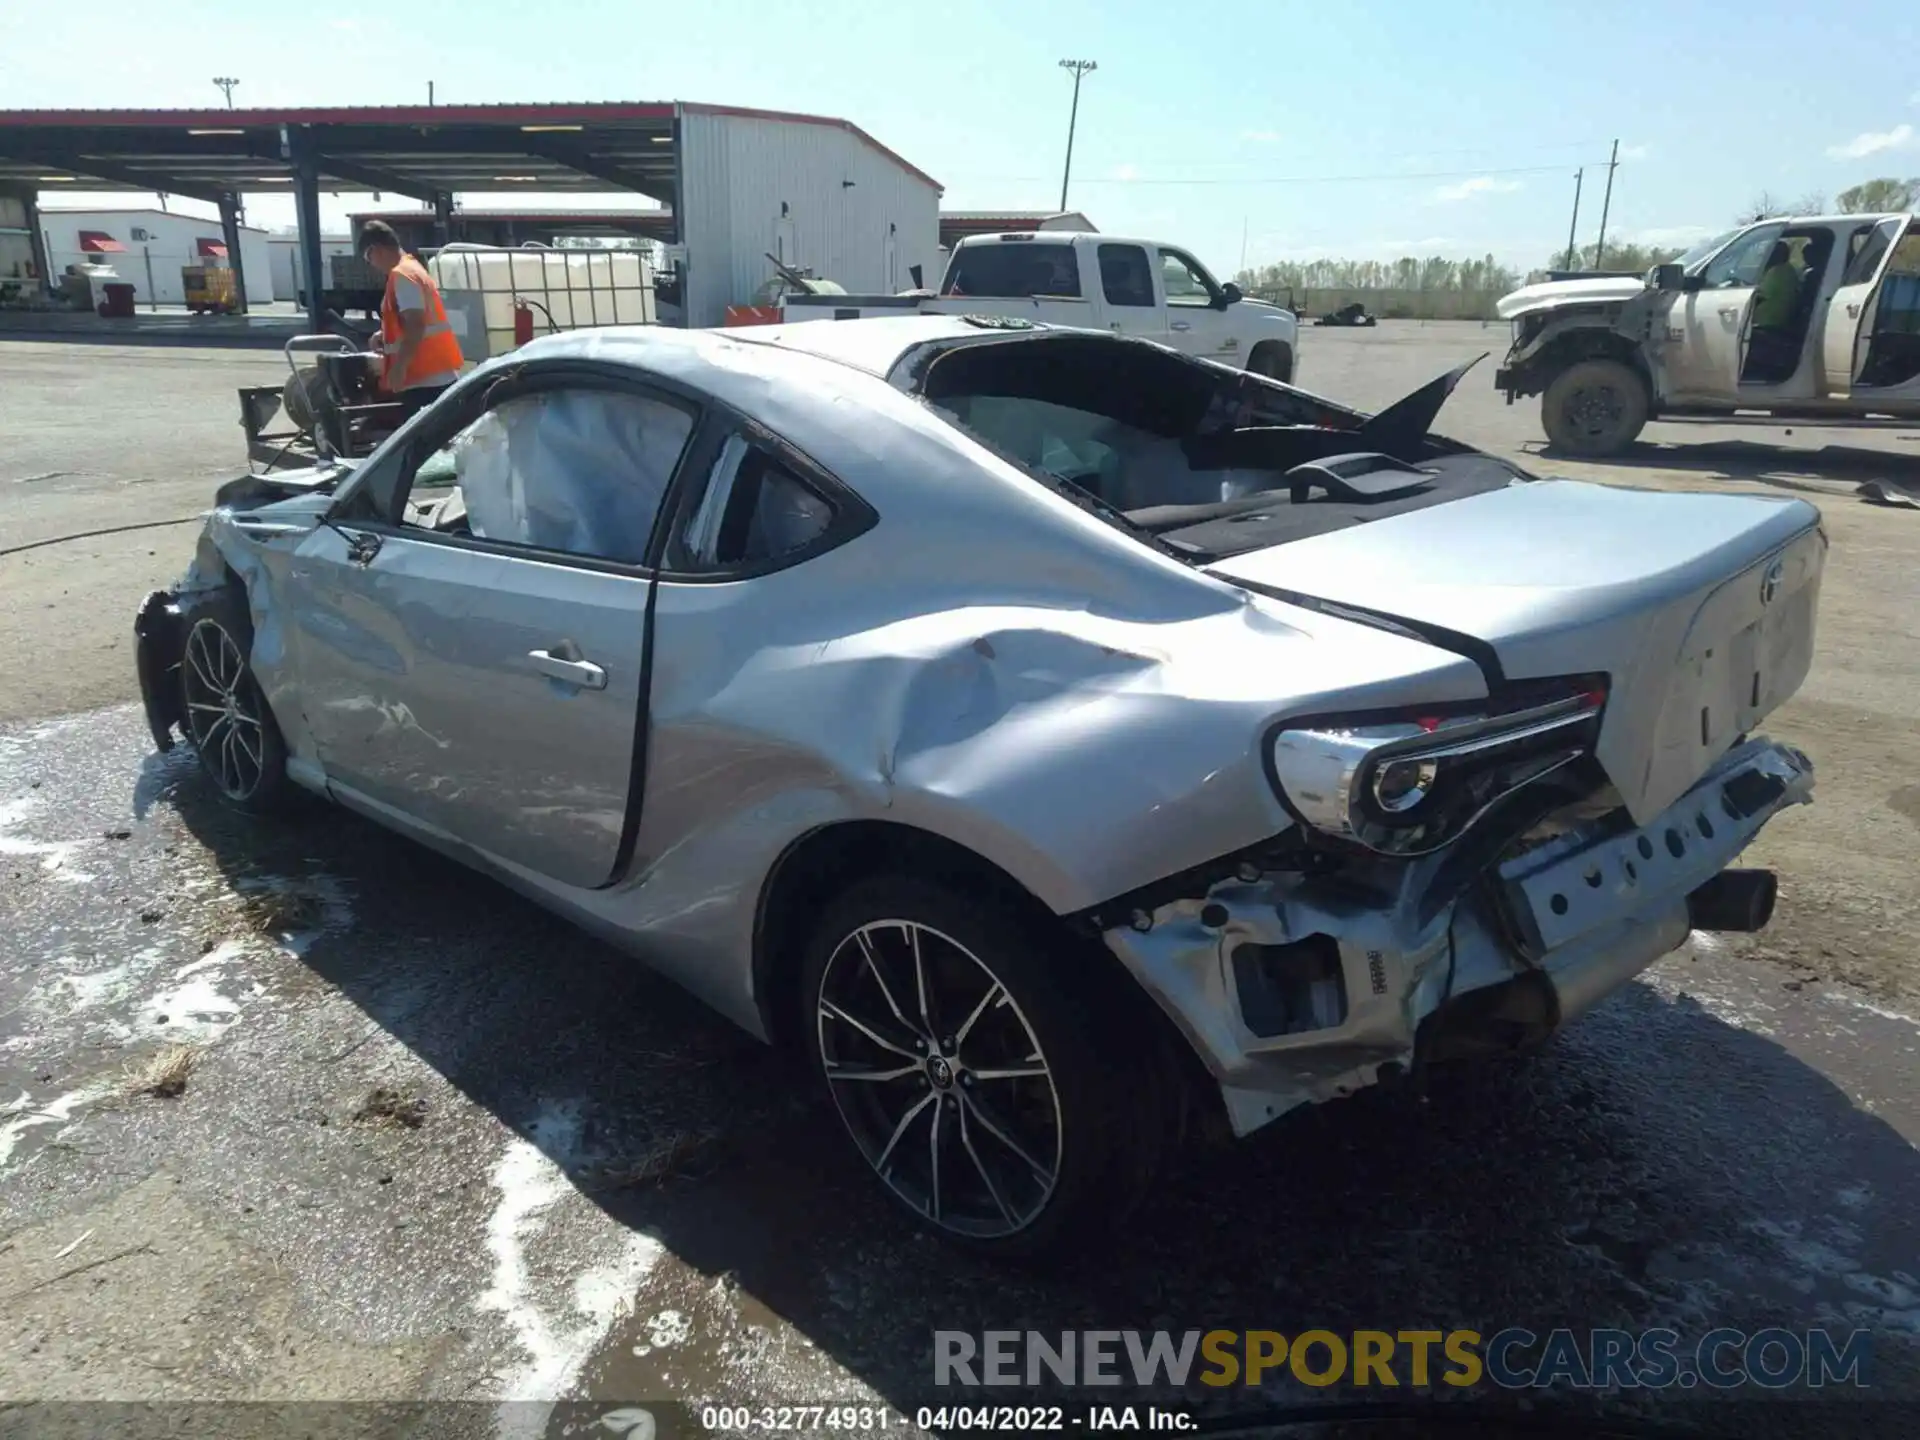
[{"x": 1299, "y": 179}]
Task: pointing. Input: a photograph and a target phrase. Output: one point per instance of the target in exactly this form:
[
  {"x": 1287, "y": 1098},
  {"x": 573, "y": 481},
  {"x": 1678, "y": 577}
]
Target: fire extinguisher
[{"x": 522, "y": 322}]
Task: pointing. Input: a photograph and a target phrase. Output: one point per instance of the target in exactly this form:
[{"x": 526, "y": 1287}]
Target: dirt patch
[
  {"x": 683, "y": 1155},
  {"x": 391, "y": 1110},
  {"x": 279, "y": 912},
  {"x": 164, "y": 1077}
]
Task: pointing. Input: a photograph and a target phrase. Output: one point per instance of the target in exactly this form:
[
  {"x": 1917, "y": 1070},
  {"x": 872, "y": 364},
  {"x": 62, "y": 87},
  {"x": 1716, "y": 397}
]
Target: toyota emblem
[{"x": 1770, "y": 583}]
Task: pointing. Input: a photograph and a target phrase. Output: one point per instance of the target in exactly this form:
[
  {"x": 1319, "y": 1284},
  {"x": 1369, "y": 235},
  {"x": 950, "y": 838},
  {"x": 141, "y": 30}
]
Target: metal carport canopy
[
  {"x": 421, "y": 151},
  {"x": 425, "y": 152}
]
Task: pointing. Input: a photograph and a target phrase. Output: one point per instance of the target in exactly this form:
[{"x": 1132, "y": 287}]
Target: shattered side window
[{"x": 580, "y": 471}]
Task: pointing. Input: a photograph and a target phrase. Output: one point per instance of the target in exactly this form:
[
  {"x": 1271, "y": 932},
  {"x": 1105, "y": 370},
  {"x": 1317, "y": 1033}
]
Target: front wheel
[
  {"x": 988, "y": 1099},
  {"x": 1595, "y": 408},
  {"x": 227, "y": 718}
]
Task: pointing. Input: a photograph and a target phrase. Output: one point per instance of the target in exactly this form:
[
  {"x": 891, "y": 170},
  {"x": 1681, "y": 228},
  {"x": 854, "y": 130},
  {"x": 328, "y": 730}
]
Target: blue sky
[{"x": 1270, "y": 128}]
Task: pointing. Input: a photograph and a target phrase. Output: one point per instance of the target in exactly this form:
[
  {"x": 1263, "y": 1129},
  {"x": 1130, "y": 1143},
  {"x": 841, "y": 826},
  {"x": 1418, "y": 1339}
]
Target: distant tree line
[
  {"x": 1866, "y": 198},
  {"x": 1489, "y": 276},
  {"x": 1407, "y": 273}
]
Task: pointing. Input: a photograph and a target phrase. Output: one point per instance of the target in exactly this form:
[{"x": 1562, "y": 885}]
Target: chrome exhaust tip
[{"x": 1740, "y": 901}]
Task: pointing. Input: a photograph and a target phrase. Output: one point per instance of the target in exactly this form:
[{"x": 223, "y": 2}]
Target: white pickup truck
[{"x": 1094, "y": 282}]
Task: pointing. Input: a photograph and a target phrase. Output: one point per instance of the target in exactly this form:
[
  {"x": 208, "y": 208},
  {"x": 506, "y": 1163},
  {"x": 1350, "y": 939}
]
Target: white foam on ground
[
  {"x": 336, "y": 912},
  {"x": 224, "y": 953},
  {"x": 1889, "y": 1305},
  {"x": 53, "y": 855},
  {"x": 668, "y": 1328},
  {"x": 554, "y": 1342},
  {"x": 195, "y": 1013},
  {"x": 26, "y": 1116},
  {"x": 1852, "y": 1002},
  {"x": 69, "y": 990}
]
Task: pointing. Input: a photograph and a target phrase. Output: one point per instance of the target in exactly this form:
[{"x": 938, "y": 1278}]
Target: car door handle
[
  {"x": 574, "y": 672},
  {"x": 1180, "y": 325}
]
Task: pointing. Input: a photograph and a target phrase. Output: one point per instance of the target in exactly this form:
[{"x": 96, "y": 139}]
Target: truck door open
[
  {"x": 1847, "y": 342},
  {"x": 1714, "y": 319}
]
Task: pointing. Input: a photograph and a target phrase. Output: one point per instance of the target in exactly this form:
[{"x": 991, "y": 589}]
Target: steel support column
[
  {"x": 230, "y": 235},
  {"x": 37, "y": 240},
  {"x": 442, "y": 217},
  {"x": 306, "y": 212}
]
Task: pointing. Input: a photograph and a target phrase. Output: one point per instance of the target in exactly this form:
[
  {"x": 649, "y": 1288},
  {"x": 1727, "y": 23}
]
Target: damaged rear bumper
[
  {"x": 156, "y": 650},
  {"x": 1294, "y": 989}
]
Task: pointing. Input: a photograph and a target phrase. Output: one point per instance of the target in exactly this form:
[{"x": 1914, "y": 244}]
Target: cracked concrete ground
[{"x": 403, "y": 1164}]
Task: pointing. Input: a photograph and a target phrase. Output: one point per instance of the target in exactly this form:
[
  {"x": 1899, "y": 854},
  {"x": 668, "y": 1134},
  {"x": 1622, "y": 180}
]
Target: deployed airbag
[{"x": 581, "y": 470}]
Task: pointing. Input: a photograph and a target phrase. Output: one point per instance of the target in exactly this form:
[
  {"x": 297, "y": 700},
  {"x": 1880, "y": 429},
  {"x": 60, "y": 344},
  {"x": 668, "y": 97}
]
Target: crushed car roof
[{"x": 875, "y": 346}]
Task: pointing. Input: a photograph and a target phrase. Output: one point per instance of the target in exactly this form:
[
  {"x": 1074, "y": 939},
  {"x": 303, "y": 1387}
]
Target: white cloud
[
  {"x": 1263, "y": 137},
  {"x": 1126, "y": 172},
  {"x": 1873, "y": 142},
  {"x": 1479, "y": 185},
  {"x": 1635, "y": 152}
]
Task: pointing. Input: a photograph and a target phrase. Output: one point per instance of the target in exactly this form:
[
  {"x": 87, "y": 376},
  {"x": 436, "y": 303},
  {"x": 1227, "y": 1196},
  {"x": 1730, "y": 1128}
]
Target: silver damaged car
[{"x": 1065, "y": 743}]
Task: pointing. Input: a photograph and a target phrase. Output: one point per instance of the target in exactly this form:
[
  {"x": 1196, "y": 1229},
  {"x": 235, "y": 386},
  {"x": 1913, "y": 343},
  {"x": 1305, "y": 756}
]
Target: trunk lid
[{"x": 1699, "y": 608}]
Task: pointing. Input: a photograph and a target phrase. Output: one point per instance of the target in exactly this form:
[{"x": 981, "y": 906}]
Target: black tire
[
  {"x": 1595, "y": 408},
  {"x": 1094, "y": 1130},
  {"x": 1273, "y": 361},
  {"x": 224, "y": 712}
]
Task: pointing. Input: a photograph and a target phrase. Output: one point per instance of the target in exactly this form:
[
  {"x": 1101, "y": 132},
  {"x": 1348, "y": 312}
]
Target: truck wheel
[
  {"x": 1273, "y": 361},
  {"x": 971, "y": 1072},
  {"x": 227, "y": 716},
  {"x": 1595, "y": 407}
]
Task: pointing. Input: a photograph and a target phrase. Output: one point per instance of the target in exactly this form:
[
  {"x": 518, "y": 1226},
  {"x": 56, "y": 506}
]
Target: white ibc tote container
[{"x": 481, "y": 285}]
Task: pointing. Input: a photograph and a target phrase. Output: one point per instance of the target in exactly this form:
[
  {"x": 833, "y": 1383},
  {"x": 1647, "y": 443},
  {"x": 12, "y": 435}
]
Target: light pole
[
  {"x": 1600, "y": 245},
  {"x": 226, "y": 84},
  {"x": 1079, "y": 69}
]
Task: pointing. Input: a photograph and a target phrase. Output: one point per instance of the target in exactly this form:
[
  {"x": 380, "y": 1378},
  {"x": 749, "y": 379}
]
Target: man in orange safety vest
[{"x": 422, "y": 355}]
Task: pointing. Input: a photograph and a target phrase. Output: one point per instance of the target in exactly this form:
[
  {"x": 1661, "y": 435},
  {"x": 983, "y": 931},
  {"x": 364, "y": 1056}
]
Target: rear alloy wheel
[
  {"x": 964, "y": 1078},
  {"x": 1594, "y": 408},
  {"x": 227, "y": 718}
]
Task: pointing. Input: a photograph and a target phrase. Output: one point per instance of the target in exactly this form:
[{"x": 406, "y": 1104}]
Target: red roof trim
[
  {"x": 349, "y": 115},
  {"x": 213, "y": 249},
  {"x": 794, "y": 117},
  {"x": 99, "y": 242}
]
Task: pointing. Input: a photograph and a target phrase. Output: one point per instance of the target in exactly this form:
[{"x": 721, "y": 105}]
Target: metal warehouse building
[
  {"x": 737, "y": 184},
  {"x": 149, "y": 248}
]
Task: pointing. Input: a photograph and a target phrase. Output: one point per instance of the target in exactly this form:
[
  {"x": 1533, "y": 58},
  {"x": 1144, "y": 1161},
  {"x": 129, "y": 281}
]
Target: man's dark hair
[{"x": 378, "y": 232}]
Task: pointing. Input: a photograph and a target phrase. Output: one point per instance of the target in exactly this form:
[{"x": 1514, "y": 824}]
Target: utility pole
[
  {"x": 1574, "y": 224},
  {"x": 1079, "y": 69},
  {"x": 429, "y": 94},
  {"x": 1600, "y": 249},
  {"x": 226, "y": 84}
]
